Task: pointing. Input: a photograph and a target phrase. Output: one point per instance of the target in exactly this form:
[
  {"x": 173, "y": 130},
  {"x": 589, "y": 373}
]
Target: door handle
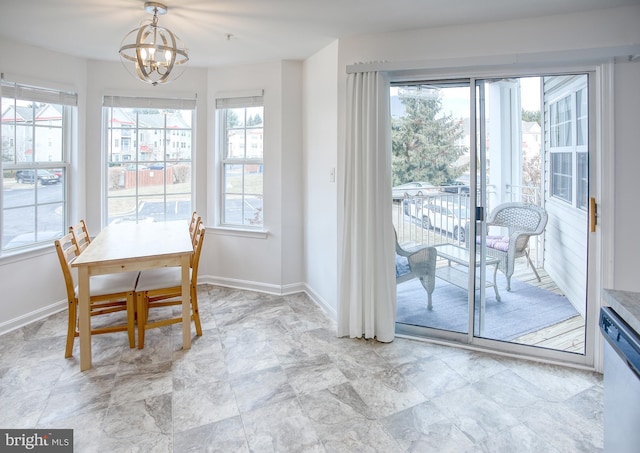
[{"x": 593, "y": 212}]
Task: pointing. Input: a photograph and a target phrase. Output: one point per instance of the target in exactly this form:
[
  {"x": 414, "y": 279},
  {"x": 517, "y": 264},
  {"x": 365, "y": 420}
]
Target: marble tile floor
[{"x": 269, "y": 375}]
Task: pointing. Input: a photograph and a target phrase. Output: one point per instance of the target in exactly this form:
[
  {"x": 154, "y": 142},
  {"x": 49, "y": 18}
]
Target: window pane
[
  {"x": 178, "y": 178},
  {"x": 561, "y": 176},
  {"x": 254, "y": 117},
  {"x": 121, "y": 210},
  {"x": 149, "y": 156},
  {"x": 581, "y": 116},
  {"x": 582, "y": 186},
  {"x": 242, "y": 166},
  {"x": 48, "y": 144},
  {"x": 34, "y": 208},
  {"x": 233, "y": 179},
  {"x": 24, "y": 143},
  {"x": 235, "y": 144},
  {"x": 232, "y": 213},
  {"x": 253, "y": 179},
  {"x": 560, "y": 123},
  {"x": 235, "y": 118}
]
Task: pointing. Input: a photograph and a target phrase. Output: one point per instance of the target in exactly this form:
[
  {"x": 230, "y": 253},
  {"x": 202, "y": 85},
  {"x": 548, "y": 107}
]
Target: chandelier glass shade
[{"x": 152, "y": 53}]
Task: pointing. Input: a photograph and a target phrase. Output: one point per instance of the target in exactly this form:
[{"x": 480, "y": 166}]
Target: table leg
[
  {"x": 84, "y": 318},
  {"x": 186, "y": 303}
]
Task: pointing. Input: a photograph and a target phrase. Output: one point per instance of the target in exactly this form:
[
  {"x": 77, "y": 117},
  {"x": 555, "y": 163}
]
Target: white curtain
[{"x": 367, "y": 303}]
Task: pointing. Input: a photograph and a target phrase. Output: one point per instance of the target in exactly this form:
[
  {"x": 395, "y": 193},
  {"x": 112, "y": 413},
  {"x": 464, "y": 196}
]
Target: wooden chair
[
  {"x": 193, "y": 223},
  {"x": 109, "y": 294},
  {"x": 162, "y": 287},
  {"x": 81, "y": 234}
]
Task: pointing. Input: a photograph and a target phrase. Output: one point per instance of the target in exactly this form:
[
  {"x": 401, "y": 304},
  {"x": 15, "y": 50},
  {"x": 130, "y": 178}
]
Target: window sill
[
  {"x": 25, "y": 253},
  {"x": 240, "y": 232}
]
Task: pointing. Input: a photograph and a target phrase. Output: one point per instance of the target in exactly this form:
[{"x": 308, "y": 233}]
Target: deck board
[{"x": 568, "y": 335}]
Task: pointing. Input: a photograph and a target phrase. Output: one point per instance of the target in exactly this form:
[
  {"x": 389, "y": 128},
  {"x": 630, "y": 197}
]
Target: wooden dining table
[{"x": 130, "y": 247}]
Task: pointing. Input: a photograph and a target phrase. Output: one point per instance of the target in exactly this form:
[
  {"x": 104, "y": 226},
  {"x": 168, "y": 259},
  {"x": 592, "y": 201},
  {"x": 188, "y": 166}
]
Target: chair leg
[
  {"x": 532, "y": 266},
  {"x": 142, "y": 318},
  {"x": 194, "y": 309},
  {"x": 131, "y": 318},
  {"x": 71, "y": 329}
]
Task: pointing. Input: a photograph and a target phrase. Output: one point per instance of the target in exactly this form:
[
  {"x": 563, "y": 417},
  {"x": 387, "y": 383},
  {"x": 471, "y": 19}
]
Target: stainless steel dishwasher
[{"x": 621, "y": 384}]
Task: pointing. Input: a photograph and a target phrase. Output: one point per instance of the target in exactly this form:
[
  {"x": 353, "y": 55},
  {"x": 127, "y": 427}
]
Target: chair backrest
[
  {"x": 67, "y": 251},
  {"x": 200, "y": 229},
  {"x": 519, "y": 217},
  {"x": 81, "y": 235},
  {"x": 193, "y": 224},
  {"x": 525, "y": 219},
  {"x": 399, "y": 250}
]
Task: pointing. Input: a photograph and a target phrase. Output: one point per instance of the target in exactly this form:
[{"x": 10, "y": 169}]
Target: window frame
[
  {"x": 134, "y": 137},
  {"x": 223, "y": 158},
  {"x": 578, "y": 150},
  {"x": 66, "y": 103}
]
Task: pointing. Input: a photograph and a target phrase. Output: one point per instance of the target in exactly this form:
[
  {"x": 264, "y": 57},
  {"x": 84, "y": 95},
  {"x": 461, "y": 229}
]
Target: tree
[
  {"x": 531, "y": 165},
  {"x": 424, "y": 143},
  {"x": 255, "y": 120},
  {"x": 531, "y": 115},
  {"x": 232, "y": 119}
]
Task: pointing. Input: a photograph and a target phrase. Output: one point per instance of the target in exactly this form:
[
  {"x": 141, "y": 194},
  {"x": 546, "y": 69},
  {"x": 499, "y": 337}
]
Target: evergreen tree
[{"x": 424, "y": 143}]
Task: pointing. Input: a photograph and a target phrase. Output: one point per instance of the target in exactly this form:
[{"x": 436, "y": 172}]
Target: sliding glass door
[
  {"x": 493, "y": 174},
  {"x": 431, "y": 177}
]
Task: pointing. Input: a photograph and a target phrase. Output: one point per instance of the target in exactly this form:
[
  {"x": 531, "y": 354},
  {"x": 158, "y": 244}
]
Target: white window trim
[
  {"x": 43, "y": 92},
  {"x": 223, "y": 100},
  {"x": 124, "y": 101}
]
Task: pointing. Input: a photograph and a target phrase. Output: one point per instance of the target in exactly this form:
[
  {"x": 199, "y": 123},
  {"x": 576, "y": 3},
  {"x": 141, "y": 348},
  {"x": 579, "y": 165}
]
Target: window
[
  {"x": 149, "y": 178},
  {"x": 568, "y": 141},
  {"x": 36, "y": 130},
  {"x": 561, "y": 164},
  {"x": 241, "y": 122}
]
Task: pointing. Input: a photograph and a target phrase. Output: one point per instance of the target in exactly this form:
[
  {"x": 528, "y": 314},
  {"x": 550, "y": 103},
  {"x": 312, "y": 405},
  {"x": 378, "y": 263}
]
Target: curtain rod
[{"x": 597, "y": 55}]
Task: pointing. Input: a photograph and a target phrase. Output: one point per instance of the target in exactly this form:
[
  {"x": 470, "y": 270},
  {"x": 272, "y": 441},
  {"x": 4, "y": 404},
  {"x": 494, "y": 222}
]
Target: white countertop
[{"x": 626, "y": 304}]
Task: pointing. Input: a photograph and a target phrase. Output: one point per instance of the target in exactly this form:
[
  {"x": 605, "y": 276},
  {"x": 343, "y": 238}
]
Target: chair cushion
[
  {"x": 402, "y": 266},
  {"x": 112, "y": 283},
  {"x": 164, "y": 277},
  {"x": 498, "y": 242}
]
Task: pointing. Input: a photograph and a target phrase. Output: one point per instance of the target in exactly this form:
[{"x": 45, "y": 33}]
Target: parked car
[
  {"x": 43, "y": 177},
  {"x": 447, "y": 217},
  {"x": 456, "y": 187},
  {"x": 412, "y": 189}
]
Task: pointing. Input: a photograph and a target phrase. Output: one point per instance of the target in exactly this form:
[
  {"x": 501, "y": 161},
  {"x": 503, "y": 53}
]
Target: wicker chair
[
  {"x": 522, "y": 220},
  {"x": 422, "y": 265}
]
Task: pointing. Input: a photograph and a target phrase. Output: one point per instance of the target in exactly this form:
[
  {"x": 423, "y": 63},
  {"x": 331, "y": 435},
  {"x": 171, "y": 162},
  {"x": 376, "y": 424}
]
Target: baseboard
[
  {"x": 321, "y": 302},
  {"x": 280, "y": 290},
  {"x": 33, "y": 316},
  {"x": 272, "y": 289},
  {"x": 252, "y": 286}
]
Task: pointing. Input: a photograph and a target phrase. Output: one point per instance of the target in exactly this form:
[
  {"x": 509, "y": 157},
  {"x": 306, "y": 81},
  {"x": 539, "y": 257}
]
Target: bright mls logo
[{"x": 36, "y": 440}]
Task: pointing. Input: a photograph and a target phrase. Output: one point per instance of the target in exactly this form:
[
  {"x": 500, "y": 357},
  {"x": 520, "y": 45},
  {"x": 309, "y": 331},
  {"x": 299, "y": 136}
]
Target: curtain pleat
[{"x": 367, "y": 303}]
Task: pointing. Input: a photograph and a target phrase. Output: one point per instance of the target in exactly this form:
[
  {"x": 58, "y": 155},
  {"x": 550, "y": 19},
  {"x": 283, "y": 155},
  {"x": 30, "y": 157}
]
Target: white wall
[
  {"x": 31, "y": 285},
  {"x": 564, "y": 39},
  {"x": 627, "y": 169},
  {"x": 320, "y": 140},
  {"x": 111, "y": 78},
  {"x": 272, "y": 263}
]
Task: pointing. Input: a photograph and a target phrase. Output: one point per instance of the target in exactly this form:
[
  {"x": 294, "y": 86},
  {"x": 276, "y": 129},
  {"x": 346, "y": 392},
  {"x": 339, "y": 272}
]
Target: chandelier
[{"x": 152, "y": 53}]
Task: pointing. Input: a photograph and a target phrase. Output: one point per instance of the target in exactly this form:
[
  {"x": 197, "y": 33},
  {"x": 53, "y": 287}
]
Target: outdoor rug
[{"x": 522, "y": 310}]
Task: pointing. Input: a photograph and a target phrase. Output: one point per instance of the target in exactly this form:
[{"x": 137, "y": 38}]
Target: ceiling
[{"x": 229, "y": 32}]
